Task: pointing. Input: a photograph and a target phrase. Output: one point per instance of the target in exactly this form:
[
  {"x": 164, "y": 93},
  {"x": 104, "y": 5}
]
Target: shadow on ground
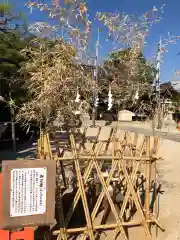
[{"x": 25, "y": 149}]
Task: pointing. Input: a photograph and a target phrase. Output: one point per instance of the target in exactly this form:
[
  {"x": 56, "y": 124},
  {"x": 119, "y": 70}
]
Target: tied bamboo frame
[{"x": 140, "y": 157}]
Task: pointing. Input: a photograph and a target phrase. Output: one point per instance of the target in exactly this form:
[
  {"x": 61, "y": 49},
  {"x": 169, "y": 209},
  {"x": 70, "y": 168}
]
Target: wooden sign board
[{"x": 28, "y": 193}]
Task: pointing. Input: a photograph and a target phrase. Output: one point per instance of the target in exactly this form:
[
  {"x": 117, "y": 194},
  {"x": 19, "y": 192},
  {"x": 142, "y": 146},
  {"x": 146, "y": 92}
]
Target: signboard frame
[{"x": 44, "y": 219}]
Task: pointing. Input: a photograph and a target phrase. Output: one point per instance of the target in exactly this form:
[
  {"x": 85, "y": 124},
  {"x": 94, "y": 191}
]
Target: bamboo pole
[
  {"x": 135, "y": 198},
  {"x": 63, "y": 230},
  {"x": 103, "y": 227},
  {"x": 82, "y": 189},
  {"x": 136, "y": 201},
  {"x": 156, "y": 143},
  {"x": 118, "y": 219},
  {"x": 132, "y": 158},
  {"x": 129, "y": 190},
  {"x": 85, "y": 177},
  {"x": 101, "y": 196},
  {"x": 49, "y": 147},
  {"x": 148, "y": 180},
  {"x": 117, "y": 161}
]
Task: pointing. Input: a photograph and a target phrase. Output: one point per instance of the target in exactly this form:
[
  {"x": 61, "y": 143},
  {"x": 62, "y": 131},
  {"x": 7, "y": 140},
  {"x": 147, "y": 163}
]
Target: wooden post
[
  {"x": 148, "y": 179},
  {"x": 156, "y": 143},
  {"x": 82, "y": 188}
]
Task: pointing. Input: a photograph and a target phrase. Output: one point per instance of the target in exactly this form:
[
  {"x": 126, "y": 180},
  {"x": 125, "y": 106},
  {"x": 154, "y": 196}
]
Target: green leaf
[
  {"x": 11, "y": 102},
  {"x": 5, "y": 7}
]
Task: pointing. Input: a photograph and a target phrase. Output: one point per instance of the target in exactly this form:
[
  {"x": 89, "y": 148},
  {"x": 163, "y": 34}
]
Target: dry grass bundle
[{"x": 52, "y": 76}]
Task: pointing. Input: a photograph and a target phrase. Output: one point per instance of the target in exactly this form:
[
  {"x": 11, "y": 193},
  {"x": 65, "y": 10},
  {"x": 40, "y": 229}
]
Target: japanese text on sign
[{"x": 28, "y": 191}]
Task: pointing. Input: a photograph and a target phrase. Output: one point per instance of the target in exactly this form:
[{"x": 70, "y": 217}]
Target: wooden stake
[
  {"x": 82, "y": 189},
  {"x": 148, "y": 179}
]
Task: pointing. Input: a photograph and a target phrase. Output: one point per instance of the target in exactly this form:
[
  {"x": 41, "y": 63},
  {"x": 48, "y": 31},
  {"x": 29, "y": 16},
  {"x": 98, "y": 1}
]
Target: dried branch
[{"x": 71, "y": 21}]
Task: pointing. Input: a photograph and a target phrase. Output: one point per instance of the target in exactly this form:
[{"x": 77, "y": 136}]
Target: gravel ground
[{"x": 168, "y": 175}]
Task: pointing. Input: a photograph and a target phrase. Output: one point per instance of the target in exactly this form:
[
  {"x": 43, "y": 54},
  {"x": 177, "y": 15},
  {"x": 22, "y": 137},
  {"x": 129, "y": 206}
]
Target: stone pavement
[
  {"x": 168, "y": 132},
  {"x": 28, "y": 149}
]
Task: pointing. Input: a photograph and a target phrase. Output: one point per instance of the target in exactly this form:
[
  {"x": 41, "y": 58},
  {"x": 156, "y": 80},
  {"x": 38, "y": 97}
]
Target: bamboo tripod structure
[{"x": 130, "y": 172}]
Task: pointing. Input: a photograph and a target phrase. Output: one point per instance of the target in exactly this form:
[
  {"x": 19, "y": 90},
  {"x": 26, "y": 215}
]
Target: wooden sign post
[{"x": 28, "y": 193}]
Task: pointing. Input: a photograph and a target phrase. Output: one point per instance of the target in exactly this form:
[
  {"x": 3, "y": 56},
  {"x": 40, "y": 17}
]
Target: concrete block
[{"x": 105, "y": 133}]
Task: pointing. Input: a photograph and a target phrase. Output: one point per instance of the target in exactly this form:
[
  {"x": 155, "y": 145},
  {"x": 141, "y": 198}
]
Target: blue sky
[{"x": 170, "y": 23}]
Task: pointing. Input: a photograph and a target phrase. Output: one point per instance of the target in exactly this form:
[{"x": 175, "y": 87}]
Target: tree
[
  {"x": 10, "y": 63},
  {"x": 168, "y": 91},
  {"x": 122, "y": 61},
  {"x": 129, "y": 74},
  {"x": 9, "y": 14},
  {"x": 4, "y": 10},
  {"x": 54, "y": 73},
  {"x": 12, "y": 41},
  {"x": 53, "y": 77}
]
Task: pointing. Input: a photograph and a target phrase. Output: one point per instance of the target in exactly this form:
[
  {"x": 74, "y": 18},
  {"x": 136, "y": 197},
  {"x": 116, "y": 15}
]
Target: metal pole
[
  {"x": 94, "y": 110},
  {"x": 158, "y": 92},
  {"x": 13, "y": 133}
]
